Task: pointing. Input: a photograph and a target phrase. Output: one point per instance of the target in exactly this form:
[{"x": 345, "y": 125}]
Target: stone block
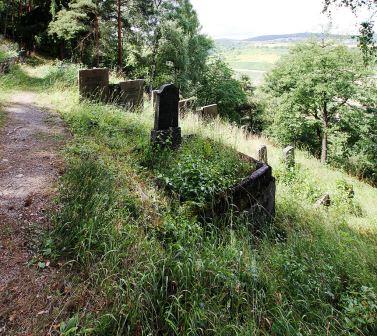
[
  {"x": 132, "y": 93},
  {"x": 209, "y": 112},
  {"x": 93, "y": 83}
]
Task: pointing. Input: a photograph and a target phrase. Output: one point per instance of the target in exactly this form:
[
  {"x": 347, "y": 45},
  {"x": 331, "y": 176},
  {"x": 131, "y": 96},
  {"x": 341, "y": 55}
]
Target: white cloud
[{"x": 247, "y": 18}]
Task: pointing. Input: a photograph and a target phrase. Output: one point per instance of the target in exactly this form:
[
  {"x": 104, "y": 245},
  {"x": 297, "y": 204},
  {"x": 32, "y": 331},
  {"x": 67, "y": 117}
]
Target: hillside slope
[{"x": 144, "y": 264}]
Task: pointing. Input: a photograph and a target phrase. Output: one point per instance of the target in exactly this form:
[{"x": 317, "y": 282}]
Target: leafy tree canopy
[{"x": 310, "y": 91}]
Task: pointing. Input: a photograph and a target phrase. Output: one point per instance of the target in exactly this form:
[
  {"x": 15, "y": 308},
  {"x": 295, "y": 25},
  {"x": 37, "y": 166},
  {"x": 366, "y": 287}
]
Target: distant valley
[{"x": 257, "y": 55}]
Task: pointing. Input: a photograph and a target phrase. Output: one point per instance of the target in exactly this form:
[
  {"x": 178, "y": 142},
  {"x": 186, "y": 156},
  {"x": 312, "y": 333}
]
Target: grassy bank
[{"x": 153, "y": 268}]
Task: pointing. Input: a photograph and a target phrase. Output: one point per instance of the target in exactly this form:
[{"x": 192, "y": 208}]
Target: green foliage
[
  {"x": 68, "y": 23},
  {"x": 62, "y": 74},
  {"x": 200, "y": 170},
  {"x": 299, "y": 182},
  {"x": 344, "y": 198},
  {"x": 219, "y": 85},
  {"x": 360, "y": 311},
  {"x": 367, "y": 43},
  {"x": 314, "y": 100}
]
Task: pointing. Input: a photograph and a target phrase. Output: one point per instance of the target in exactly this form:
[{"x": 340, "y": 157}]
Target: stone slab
[
  {"x": 209, "y": 111},
  {"x": 93, "y": 83},
  {"x": 132, "y": 93}
]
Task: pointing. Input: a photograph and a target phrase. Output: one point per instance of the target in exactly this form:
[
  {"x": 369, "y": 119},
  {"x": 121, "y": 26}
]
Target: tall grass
[{"x": 155, "y": 269}]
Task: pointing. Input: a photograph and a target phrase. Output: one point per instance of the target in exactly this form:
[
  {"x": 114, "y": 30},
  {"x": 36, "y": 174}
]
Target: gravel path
[{"x": 29, "y": 168}]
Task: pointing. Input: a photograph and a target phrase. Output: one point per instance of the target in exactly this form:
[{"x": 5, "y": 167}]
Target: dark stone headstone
[
  {"x": 93, "y": 83},
  {"x": 166, "y": 130},
  {"x": 22, "y": 55}
]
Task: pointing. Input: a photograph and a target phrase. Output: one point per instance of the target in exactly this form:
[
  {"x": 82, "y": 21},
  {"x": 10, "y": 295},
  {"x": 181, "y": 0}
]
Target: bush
[{"x": 360, "y": 311}]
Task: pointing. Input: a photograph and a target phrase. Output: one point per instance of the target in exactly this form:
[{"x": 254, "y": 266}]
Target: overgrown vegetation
[
  {"x": 155, "y": 269},
  {"x": 322, "y": 97}
]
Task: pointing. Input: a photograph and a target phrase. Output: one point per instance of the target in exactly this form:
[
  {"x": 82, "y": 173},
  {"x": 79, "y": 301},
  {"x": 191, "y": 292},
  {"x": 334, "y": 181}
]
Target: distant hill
[
  {"x": 295, "y": 37},
  {"x": 225, "y": 43}
]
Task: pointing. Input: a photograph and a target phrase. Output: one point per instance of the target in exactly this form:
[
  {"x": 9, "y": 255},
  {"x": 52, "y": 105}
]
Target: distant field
[{"x": 253, "y": 60}]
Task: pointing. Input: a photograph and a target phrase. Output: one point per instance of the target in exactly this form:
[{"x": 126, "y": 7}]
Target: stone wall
[{"x": 94, "y": 85}]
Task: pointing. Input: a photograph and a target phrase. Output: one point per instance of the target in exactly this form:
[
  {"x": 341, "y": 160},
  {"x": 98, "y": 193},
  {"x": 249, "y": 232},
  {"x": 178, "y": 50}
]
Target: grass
[{"x": 155, "y": 269}]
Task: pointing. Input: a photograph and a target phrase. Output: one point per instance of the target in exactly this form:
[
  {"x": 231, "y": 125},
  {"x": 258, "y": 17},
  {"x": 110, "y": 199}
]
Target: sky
[{"x": 241, "y": 19}]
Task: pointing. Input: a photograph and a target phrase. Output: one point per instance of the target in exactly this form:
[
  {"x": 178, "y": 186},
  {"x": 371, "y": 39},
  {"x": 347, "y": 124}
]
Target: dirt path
[{"x": 29, "y": 168}]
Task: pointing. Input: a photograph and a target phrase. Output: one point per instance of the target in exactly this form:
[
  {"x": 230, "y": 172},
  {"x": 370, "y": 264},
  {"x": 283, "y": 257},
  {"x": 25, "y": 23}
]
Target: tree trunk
[
  {"x": 13, "y": 28},
  {"x": 96, "y": 33},
  {"x": 324, "y": 134},
  {"x": 154, "y": 61},
  {"x": 29, "y": 6},
  {"x": 61, "y": 50},
  {"x": 20, "y": 8},
  {"x": 120, "y": 46},
  {"x": 5, "y": 24}
]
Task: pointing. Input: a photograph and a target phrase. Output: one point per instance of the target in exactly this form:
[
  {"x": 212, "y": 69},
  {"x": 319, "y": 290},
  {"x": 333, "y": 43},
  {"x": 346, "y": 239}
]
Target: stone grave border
[{"x": 254, "y": 194}]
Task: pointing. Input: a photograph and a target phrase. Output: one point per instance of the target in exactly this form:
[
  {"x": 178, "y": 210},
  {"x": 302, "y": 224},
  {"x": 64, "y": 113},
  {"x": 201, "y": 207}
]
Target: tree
[
  {"x": 119, "y": 22},
  {"x": 79, "y": 22},
  {"x": 167, "y": 43},
  {"x": 366, "y": 37},
  {"x": 218, "y": 86},
  {"x": 309, "y": 90},
  {"x": 352, "y": 4}
]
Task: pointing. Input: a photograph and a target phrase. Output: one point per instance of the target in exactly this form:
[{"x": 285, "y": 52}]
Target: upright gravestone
[
  {"x": 166, "y": 131},
  {"x": 289, "y": 156},
  {"x": 132, "y": 93},
  {"x": 210, "y": 111},
  {"x": 262, "y": 154},
  {"x": 325, "y": 200},
  {"x": 93, "y": 83}
]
